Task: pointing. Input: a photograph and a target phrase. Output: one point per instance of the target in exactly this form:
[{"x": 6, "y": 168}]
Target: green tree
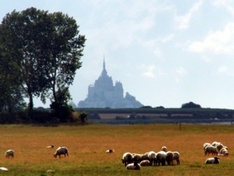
[
  {"x": 65, "y": 51},
  {"x": 45, "y": 48},
  {"x": 83, "y": 117},
  {"x": 11, "y": 98},
  {"x": 24, "y": 36},
  {"x": 190, "y": 105}
]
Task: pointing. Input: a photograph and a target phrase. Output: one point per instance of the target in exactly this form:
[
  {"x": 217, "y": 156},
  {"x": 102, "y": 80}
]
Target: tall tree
[
  {"x": 46, "y": 49},
  {"x": 24, "y": 35},
  {"x": 65, "y": 49},
  {"x": 11, "y": 98}
]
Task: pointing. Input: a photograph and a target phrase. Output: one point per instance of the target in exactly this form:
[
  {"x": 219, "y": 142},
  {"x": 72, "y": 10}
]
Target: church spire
[{"x": 104, "y": 72}]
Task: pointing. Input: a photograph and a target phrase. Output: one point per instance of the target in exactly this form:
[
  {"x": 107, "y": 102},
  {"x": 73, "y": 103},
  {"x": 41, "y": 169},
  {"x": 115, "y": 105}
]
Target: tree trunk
[{"x": 30, "y": 106}]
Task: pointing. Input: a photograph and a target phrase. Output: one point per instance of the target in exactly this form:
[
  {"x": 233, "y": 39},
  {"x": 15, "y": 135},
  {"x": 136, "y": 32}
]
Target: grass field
[{"x": 87, "y": 146}]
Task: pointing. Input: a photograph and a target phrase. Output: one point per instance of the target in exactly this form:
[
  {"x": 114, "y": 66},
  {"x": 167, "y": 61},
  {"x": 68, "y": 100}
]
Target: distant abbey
[{"x": 104, "y": 94}]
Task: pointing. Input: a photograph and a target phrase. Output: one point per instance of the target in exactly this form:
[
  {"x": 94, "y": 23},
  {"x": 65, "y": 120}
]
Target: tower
[{"x": 104, "y": 72}]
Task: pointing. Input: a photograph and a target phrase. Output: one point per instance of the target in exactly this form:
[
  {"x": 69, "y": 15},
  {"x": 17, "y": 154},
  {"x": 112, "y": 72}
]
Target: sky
[{"x": 165, "y": 53}]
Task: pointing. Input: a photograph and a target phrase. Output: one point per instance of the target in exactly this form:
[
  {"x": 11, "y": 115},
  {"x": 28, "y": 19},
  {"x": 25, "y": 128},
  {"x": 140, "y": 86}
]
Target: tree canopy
[
  {"x": 42, "y": 50},
  {"x": 190, "y": 105}
]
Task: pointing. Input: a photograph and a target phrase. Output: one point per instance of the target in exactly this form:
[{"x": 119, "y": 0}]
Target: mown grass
[{"x": 87, "y": 146}]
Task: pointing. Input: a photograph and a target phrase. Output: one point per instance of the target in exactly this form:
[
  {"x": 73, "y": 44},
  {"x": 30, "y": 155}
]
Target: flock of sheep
[
  {"x": 134, "y": 161},
  {"x": 62, "y": 150},
  {"x": 215, "y": 149}
]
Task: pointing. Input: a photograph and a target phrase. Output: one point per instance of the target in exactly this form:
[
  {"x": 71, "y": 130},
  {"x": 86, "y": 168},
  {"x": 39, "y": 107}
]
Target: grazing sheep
[
  {"x": 176, "y": 156},
  {"x": 219, "y": 147},
  {"x": 206, "y": 144},
  {"x": 133, "y": 166},
  {"x": 145, "y": 156},
  {"x": 215, "y": 143},
  {"x": 9, "y": 153},
  {"x": 161, "y": 158},
  {"x": 137, "y": 157},
  {"x": 110, "y": 151},
  {"x": 169, "y": 158},
  {"x": 214, "y": 160},
  {"x": 164, "y": 148},
  {"x": 152, "y": 157},
  {"x": 211, "y": 150},
  {"x": 3, "y": 169},
  {"x": 127, "y": 158},
  {"x": 61, "y": 151},
  {"x": 145, "y": 163},
  {"x": 50, "y": 171},
  {"x": 50, "y": 146},
  {"x": 223, "y": 152}
]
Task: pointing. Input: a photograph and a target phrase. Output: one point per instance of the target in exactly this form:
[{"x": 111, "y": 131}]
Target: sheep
[
  {"x": 169, "y": 158},
  {"x": 50, "y": 171},
  {"x": 50, "y": 146},
  {"x": 110, "y": 151},
  {"x": 164, "y": 148},
  {"x": 215, "y": 143},
  {"x": 214, "y": 160},
  {"x": 145, "y": 163},
  {"x": 206, "y": 144},
  {"x": 223, "y": 152},
  {"x": 133, "y": 166},
  {"x": 3, "y": 169},
  {"x": 127, "y": 158},
  {"x": 145, "y": 156},
  {"x": 10, "y": 153},
  {"x": 219, "y": 147},
  {"x": 61, "y": 151},
  {"x": 137, "y": 157},
  {"x": 152, "y": 157},
  {"x": 161, "y": 158},
  {"x": 176, "y": 156},
  {"x": 211, "y": 150}
]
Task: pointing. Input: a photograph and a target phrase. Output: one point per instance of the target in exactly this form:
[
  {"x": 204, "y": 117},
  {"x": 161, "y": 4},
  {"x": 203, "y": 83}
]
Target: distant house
[{"x": 103, "y": 93}]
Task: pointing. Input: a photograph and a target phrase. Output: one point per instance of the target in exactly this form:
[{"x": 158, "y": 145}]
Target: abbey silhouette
[{"x": 104, "y": 94}]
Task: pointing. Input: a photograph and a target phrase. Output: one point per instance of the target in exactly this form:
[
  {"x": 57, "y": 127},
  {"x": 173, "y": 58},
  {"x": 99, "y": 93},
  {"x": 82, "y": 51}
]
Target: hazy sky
[{"x": 165, "y": 53}]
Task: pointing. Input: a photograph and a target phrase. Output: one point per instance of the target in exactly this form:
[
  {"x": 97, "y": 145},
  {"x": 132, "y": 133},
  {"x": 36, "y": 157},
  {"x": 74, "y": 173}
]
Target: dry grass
[{"x": 87, "y": 146}]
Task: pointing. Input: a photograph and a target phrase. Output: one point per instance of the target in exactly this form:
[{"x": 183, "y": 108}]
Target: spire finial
[{"x": 104, "y": 72}]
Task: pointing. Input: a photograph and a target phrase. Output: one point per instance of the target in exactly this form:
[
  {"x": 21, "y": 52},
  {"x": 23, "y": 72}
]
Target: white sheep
[
  {"x": 169, "y": 158},
  {"x": 152, "y": 157},
  {"x": 10, "y": 153},
  {"x": 137, "y": 157},
  {"x": 110, "y": 151},
  {"x": 211, "y": 150},
  {"x": 61, "y": 151},
  {"x": 127, "y": 158},
  {"x": 214, "y": 160},
  {"x": 3, "y": 169},
  {"x": 50, "y": 146},
  {"x": 50, "y": 171},
  {"x": 161, "y": 158},
  {"x": 215, "y": 143},
  {"x": 206, "y": 144},
  {"x": 145, "y": 163},
  {"x": 176, "y": 156},
  {"x": 145, "y": 156},
  {"x": 133, "y": 166},
  {"x": 223, "y": 152},
  {"x": 164, "y": 148}
]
